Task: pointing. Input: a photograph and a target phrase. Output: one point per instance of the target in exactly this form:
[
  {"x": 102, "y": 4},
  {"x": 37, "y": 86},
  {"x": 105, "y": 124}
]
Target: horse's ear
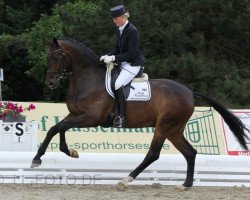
[{"x": 55, "y": 41}]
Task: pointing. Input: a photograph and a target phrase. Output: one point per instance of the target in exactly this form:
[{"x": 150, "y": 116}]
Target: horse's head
[{"x": 58, "y": 64}]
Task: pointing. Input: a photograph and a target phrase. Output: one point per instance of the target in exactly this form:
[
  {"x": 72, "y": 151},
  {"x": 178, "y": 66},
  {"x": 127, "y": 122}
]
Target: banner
[
  {"x": 203, "y": 131},
  {"x": 232, "y": 146}
]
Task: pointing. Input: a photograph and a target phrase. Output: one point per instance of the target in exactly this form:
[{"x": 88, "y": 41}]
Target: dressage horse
[{"x": 170, "y": 107}]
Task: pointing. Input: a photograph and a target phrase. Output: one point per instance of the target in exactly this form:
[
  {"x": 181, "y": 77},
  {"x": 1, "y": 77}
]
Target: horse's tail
[{"x": 234, "y": 123}]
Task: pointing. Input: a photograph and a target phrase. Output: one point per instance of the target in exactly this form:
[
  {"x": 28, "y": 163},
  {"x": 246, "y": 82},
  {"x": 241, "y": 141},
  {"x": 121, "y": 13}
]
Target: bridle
[{"x": 63, "y": 71}]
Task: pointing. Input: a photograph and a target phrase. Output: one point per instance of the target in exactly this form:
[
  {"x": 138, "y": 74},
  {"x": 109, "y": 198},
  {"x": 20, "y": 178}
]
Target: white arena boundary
[{"x": 92, "y": 168}]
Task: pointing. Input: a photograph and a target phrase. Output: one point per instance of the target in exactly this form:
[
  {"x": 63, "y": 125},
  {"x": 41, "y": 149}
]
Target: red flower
[
  {"x": 13, "y": 110},
  {"x": 31, "y": 107}
]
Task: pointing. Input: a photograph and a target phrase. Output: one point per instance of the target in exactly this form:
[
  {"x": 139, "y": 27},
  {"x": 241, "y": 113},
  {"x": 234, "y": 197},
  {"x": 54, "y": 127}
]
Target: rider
[{"x": 127, "y": 53}]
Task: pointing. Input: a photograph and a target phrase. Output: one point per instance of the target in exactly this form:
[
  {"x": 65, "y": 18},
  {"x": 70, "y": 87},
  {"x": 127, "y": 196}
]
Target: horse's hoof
[
  {"x": 36, "y": 163},
  {"x": 73, "y": 153},
  {"x": 182, "y": 188},
  {"x": 121, "y": 186}
]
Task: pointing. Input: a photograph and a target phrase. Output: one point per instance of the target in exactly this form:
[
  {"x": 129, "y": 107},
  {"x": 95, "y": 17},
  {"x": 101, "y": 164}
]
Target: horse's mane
[{"x": 81, "y": 46}]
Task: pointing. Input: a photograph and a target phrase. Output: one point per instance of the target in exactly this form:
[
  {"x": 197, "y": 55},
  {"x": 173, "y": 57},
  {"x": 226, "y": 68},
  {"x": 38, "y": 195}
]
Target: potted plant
[{"x": 12, "y": 112}]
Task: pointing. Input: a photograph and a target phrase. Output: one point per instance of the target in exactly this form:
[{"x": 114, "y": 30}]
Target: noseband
[{"x": 63, "y": 71}]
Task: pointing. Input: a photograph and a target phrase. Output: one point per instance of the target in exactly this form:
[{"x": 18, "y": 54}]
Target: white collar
[{"x": 123, "y": 26}]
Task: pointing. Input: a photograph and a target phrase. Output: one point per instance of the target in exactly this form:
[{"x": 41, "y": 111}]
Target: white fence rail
[{"x": 57, "y": 168}]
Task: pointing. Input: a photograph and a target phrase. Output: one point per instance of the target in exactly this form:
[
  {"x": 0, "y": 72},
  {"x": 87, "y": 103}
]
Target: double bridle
[{"x": 63, "y": 71}]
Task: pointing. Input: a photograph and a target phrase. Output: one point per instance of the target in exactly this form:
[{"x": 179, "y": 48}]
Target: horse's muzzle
[{"x": 52, "y": 84}]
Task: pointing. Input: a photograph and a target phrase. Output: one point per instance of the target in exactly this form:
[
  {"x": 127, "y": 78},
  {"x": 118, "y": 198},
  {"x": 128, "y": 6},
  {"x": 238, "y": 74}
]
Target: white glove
[
  {"x": 102, "y": 58},
  {"x": 108, "y": 59}
]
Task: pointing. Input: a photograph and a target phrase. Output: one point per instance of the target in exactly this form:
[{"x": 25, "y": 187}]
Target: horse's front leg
[
  {"x": 64, "y": 147},
  {"x": 83, "y": 120},
  {"x": 61, "y": 126}
]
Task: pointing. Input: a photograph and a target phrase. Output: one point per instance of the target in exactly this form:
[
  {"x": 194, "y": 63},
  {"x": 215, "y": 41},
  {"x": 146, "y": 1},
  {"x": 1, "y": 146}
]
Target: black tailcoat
[{"x": 126, "y": 48}]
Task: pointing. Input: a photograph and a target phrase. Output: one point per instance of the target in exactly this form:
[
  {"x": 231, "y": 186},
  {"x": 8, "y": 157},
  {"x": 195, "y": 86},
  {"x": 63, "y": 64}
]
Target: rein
[{"x": 63, "y": 72}]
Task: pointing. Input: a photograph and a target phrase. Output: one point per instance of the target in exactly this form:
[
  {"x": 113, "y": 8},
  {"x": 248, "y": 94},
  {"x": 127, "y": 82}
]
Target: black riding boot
[{"x": 119, "y": 121}]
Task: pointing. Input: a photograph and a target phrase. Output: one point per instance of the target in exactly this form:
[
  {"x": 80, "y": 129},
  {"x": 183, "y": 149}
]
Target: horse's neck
[
  {"x": 85, "y": 87},
  {"x": 87, "y": 73},
  {"x": 86, "y": 80}
]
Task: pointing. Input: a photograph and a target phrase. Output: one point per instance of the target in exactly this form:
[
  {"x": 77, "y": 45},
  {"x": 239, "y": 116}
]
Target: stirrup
[{"x": 119, "y": 122}]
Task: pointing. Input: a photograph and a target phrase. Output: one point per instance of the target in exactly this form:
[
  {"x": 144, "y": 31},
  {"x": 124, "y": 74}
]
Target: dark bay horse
[{"x": 170, "y": 107}]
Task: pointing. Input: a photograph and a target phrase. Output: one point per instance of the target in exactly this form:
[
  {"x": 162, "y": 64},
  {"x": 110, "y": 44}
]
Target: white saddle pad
[{"x": 140, "y": 90}]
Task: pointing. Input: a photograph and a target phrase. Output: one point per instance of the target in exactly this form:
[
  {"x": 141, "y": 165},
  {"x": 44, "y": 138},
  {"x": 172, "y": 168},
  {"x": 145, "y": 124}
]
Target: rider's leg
[
  {"x": 119, "y": 121},
  {"x": 126, "y": 75}
]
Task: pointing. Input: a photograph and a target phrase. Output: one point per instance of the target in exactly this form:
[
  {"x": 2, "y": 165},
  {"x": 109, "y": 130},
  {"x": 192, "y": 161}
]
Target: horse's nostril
[{"x": 50, "y": 84}]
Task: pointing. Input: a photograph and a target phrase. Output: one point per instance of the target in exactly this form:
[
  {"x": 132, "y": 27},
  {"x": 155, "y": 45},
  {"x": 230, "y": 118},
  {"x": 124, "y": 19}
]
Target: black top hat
[{"x": 117, "y": 11}]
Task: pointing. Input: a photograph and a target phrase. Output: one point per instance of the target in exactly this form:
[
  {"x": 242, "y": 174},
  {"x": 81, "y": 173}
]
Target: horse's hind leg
[
  {"x": 152, "y": 155},
  {"x": 180, "y": 143}
]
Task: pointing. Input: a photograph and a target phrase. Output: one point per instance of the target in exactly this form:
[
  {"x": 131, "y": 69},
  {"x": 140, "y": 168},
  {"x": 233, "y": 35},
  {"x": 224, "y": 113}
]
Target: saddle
[{"x": 137, "y": 90}]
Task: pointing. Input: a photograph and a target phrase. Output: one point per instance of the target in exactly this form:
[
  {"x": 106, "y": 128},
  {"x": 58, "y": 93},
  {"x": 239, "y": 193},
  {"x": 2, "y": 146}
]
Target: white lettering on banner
[{"x": 232, "y": 146}]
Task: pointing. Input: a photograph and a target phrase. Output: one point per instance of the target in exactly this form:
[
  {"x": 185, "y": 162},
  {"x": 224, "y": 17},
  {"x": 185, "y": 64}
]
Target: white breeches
[{"x": 127, "y": 74}]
